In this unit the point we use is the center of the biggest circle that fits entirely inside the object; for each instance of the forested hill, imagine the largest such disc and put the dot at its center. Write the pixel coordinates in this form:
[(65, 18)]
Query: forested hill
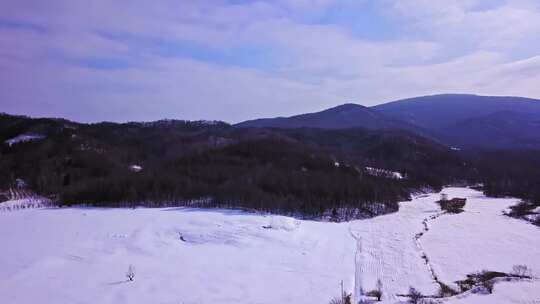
[(311, 172), (301, 171)]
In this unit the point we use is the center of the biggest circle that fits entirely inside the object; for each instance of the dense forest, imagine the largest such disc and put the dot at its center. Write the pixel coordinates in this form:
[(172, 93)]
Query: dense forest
[(510, 173), (307, 172)]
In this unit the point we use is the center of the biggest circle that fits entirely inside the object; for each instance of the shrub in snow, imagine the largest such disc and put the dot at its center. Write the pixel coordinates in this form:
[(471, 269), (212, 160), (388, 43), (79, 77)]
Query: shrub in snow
[(336, 300), (130, 274), (523, 210), (335, 216), (454, 205), (344, 299), (488, 285), (446, 291), (536, 221), (521, 271), (483, 279), (415, 296), (490, 275), (377, 292), (374, 294)]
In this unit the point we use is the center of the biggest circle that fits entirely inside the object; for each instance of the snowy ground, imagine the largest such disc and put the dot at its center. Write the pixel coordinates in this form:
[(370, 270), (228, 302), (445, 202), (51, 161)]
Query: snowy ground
[(81, 255), (389, 253), (501, 241), (480, 238)]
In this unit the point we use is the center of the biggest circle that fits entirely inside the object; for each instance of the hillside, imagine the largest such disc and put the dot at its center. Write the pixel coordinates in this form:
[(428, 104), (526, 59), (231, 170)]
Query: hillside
[(302, 171), (471, 120), (439, 111), (341, 117)]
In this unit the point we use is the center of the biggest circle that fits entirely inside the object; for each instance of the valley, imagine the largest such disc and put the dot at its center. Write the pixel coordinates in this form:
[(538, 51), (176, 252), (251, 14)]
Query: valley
[(189, 255)]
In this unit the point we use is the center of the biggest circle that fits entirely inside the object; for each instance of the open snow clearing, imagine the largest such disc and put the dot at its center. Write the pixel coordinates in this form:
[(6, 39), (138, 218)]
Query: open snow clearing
[(182, 255)]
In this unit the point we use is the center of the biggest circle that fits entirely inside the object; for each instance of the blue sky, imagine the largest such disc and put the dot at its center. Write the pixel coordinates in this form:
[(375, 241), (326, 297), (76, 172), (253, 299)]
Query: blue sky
[(236, 60)]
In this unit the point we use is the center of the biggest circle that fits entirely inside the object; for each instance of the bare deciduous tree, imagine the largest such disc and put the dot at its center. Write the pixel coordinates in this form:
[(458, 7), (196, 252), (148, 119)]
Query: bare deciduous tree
[(130, 274), (377, 292), (379, 287), (521, 271)]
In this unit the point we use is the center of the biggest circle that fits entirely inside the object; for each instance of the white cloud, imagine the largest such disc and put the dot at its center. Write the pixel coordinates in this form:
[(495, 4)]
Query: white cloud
[(465, 46), (475, 24)]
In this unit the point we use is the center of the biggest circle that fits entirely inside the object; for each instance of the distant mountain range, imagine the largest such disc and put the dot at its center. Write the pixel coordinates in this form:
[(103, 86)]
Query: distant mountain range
[(341, 117), (453, 119)]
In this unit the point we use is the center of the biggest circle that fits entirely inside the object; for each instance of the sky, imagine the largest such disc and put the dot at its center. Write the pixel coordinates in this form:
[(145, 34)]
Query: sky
[(233, 60)]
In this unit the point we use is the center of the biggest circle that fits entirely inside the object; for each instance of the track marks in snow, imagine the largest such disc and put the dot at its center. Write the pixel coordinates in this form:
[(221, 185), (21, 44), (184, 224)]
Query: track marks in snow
[(357, 289), (418, 236), (386, 250)]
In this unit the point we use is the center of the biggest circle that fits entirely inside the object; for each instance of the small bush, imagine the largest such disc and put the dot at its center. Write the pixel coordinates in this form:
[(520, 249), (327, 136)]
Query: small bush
[(454, 205), (483, 278), (130, 274), (345, 299), (415, 296), (521, 271), (375, 294), (336, 300), (521, 209), (488, 285), (466, 284), (490, 275), (446, 291)]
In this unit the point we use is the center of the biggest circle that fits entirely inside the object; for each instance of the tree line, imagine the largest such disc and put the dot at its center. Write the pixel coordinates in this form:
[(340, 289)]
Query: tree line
[(307, 172)]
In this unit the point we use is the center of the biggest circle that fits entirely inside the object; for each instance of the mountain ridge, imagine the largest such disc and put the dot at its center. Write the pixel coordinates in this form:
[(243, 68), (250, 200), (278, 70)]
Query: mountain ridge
[(339, 117), (438, 117)]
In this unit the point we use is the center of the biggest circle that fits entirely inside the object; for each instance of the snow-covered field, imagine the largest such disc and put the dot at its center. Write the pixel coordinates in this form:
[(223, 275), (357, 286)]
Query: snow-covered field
[(81, 255), (481, 238)]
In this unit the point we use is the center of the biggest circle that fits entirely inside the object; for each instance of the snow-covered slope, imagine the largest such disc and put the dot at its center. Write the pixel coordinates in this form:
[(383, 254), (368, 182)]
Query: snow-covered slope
[(81, 256), (523, 292), (217, 256), (23, 138), (389, 252), (481, 238)]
